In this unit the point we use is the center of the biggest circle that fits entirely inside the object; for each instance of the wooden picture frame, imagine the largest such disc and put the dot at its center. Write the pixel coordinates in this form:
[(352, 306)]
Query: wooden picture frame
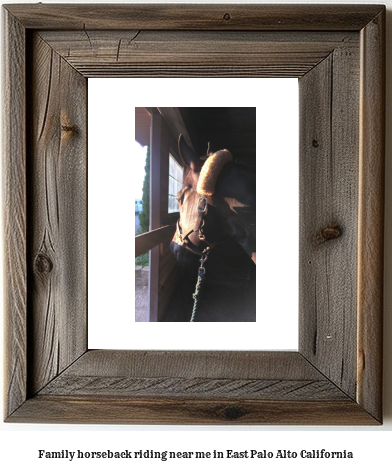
[(337, 52)]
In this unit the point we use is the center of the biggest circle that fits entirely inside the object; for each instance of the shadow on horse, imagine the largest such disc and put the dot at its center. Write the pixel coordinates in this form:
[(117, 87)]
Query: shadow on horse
[(217, 222)]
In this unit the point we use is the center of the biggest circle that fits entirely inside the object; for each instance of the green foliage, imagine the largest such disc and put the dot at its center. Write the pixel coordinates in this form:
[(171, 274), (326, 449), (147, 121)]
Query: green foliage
[(144, 216), (143, 260)]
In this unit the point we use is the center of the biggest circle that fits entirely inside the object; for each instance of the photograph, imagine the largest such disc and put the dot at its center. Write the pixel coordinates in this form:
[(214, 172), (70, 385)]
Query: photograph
[(207, 191)]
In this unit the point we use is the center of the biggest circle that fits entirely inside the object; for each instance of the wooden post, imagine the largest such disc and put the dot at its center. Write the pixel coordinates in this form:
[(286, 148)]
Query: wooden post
[(155, 210)]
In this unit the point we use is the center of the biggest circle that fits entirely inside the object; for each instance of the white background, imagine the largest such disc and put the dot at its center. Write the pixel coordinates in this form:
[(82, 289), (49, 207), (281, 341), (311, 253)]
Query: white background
[(19, 444), (111, 214)]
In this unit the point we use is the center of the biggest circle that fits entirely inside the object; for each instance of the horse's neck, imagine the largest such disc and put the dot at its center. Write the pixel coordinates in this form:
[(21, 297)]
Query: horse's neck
[(237, 181), (242, 225), (237, 187)]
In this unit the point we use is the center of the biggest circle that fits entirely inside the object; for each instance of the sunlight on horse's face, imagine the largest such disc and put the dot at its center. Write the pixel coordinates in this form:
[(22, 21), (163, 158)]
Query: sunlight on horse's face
[(219, 222), (187, 199), (231, 208)]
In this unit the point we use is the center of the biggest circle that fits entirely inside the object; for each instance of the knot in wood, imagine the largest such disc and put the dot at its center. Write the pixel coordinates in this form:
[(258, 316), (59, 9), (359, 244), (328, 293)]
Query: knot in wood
[(232, 412), (227, 16), (68, 129), (43, 264), (315, 143), (328, 233)]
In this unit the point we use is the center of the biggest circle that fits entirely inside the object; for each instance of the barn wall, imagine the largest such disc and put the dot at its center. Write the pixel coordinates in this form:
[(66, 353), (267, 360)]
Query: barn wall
[(168, 268), (142, 126)]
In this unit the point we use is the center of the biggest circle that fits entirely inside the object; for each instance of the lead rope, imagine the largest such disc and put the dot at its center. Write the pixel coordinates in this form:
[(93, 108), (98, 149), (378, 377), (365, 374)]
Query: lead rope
[(199, 285)]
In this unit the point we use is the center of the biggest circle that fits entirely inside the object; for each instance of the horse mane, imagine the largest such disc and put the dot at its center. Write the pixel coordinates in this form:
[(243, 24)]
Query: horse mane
[(211, 170), (238, 181)]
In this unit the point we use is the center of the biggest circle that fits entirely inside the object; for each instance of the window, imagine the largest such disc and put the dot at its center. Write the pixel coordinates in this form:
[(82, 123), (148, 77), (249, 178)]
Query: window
[(175, 184)]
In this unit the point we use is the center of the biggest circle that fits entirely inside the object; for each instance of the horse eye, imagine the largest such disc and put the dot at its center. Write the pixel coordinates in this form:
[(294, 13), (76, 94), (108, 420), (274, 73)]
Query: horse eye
[(180, 196)]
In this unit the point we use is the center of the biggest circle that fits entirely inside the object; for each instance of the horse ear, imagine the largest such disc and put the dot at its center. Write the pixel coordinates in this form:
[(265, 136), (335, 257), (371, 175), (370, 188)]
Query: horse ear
[(210, 150), (187, 155)]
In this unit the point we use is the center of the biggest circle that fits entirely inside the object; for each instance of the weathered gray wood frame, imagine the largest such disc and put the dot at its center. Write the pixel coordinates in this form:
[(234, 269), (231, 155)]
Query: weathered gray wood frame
[(50, 375)]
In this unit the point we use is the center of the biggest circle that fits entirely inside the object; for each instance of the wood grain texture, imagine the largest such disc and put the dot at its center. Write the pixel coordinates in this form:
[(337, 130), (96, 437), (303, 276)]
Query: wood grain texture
[(103, 409), (187, 374), (130, 53), (206, 364), (188, 387), (192, 17), (329, 216), (371, 216), (14, 208), (283, 389), (192, 387), (58, 215)]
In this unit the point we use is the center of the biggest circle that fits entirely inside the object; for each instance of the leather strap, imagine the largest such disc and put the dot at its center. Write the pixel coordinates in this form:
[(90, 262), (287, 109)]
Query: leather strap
[(198, 224)]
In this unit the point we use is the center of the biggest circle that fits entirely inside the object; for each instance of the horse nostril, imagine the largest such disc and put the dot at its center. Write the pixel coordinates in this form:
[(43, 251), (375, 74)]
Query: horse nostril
[(183, 256), (173, 248), (176, 250)]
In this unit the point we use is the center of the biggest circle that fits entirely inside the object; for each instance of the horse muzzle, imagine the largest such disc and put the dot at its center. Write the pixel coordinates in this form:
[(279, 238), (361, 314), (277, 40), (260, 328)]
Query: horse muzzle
[(183, 256)]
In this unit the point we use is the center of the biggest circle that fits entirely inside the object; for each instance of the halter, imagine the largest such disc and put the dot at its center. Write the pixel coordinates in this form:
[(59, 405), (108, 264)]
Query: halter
[(201, 208), (205, 187)]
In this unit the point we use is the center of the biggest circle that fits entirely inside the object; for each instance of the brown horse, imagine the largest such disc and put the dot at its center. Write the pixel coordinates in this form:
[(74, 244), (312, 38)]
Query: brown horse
[(216, 203)]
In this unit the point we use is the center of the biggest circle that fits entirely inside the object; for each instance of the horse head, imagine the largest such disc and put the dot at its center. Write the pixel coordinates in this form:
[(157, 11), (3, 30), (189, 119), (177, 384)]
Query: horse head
[(215, 193)]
